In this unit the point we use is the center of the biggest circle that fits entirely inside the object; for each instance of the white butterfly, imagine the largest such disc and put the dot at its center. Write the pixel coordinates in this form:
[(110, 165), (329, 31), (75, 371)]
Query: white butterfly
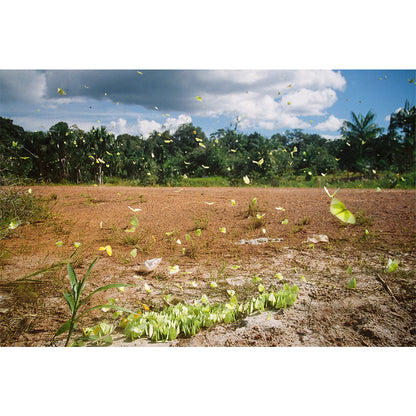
[(135, 209), (209, 203)]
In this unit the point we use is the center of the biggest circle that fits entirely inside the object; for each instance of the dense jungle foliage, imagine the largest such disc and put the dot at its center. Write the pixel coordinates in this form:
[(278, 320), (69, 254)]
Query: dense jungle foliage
[(66, 154)]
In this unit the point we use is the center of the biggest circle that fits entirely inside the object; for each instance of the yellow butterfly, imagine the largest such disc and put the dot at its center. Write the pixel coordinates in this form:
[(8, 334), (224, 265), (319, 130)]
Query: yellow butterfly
[(108, 249), (61, 91), (198, 98), (338, 209)]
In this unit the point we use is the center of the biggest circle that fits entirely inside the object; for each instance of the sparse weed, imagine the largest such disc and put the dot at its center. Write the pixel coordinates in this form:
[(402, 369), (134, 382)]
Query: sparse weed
[(361, 218), (299, 224), (252, 209), (258, 221), (74, 301), (192, 244), (201, 223)]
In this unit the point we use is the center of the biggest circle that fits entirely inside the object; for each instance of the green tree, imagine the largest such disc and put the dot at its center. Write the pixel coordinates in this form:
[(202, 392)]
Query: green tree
[(12, 151), (357, 134), (402, 130)]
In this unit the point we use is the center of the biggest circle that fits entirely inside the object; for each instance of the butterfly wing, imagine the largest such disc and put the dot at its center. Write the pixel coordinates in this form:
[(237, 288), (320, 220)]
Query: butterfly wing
[(338, 209)]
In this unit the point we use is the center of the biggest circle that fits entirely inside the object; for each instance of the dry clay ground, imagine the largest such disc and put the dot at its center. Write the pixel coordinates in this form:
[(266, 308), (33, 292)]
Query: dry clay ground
[(381, 310)]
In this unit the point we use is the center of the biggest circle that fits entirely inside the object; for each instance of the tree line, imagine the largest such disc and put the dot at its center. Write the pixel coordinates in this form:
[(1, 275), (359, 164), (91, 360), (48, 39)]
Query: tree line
[(68, 154)]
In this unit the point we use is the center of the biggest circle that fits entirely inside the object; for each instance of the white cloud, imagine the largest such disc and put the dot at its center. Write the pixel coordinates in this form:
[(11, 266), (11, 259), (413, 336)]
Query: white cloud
[(319, 79), (309, 102), (172, 124), (332, 123), (269, 99), (330, 137), (119, 127), (144, 127)]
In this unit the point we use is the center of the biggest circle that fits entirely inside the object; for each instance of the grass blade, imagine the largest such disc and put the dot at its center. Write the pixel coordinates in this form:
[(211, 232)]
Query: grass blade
[(26, 278), (63, 328), (113, 285)]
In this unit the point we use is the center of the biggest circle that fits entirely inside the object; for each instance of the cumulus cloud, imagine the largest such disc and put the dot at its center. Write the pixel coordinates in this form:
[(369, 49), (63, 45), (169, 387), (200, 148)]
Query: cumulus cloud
[(172, 124), (332, 123), (144, 127), (330, 137)]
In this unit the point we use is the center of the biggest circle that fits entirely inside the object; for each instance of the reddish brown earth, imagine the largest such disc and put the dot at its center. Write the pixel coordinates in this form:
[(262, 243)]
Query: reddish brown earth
[(326, 313)]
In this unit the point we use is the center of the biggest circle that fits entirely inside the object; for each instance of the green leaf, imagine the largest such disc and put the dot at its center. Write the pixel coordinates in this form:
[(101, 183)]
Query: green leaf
[(70, 300), (82, 283), (63, 328), (113, 285), (73, 281), (338, 209)]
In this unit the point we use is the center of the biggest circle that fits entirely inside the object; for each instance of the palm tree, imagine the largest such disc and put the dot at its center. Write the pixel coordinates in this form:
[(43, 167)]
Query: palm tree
[(358, 134)]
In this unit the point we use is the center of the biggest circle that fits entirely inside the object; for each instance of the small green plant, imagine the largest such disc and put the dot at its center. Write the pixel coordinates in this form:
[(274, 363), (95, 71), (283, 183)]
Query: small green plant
[(252, 209), (201, 223), (299, 224), (75, 302), (193, 246), (363, 219), (258, 221), (18, 206)]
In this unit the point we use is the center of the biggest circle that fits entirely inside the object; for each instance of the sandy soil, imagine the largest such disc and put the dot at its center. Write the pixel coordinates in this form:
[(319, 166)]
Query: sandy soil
[(381, 310)]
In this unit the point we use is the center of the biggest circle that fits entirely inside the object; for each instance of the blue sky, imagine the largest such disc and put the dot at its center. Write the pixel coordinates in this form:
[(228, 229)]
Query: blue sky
[(140, 101)]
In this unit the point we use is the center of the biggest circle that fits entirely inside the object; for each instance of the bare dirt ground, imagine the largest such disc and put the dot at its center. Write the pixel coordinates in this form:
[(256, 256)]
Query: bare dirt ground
[(380, 311)]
